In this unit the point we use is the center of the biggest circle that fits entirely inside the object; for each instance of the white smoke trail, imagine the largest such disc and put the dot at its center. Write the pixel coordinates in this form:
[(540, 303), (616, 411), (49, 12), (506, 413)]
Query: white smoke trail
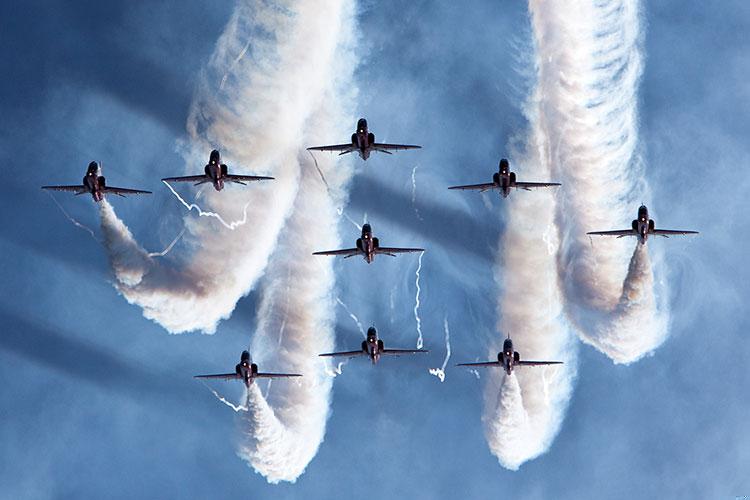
[(234, 63), (281, 435), (201, 213), (420, 340), (168, 247), (583, 122), (236, 408), (617, 332), (258, 120), (352, 316), (440, 372), (414, 191), (520, 421), (72, 220), (340, 211), (591, 65)]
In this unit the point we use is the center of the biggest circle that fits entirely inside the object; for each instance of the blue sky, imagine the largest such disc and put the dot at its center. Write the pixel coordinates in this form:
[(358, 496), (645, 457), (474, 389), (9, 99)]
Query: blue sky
[(99, 401)]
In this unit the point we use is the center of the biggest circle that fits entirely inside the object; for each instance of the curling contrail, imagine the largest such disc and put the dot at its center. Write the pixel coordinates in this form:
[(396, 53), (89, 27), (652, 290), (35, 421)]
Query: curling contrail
[(591, 68), (583, 131), (281, 435), (258, 119)]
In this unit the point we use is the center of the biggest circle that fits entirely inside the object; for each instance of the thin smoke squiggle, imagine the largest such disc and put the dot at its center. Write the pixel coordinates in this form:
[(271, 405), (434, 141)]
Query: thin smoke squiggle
[(417, 318), (194, 206)]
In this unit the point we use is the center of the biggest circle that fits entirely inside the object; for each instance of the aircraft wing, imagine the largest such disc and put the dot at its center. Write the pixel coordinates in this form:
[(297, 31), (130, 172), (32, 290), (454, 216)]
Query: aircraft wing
[(242, 179), (342, 148), (343, 354), (393, 147), (347, 252), (483, 363), (671, 232), (187, 178), (393, 251), (400, 352), (533, 185), (477, 187), (618, 233), (123, 191), (276, 375), (223, 376), (79, 189), (537, 363)]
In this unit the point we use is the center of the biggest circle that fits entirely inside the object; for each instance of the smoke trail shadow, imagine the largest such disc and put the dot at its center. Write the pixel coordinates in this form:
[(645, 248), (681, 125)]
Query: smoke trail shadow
[(84, 361)]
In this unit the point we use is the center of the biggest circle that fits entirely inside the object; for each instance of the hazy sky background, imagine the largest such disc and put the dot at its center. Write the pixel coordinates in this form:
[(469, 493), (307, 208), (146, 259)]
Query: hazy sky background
[(99, 402)]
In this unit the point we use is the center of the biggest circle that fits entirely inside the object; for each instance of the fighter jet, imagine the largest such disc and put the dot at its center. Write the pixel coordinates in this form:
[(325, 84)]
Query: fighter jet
[(508, 359), (641, 228), (368, 247), (216, 173), (247, 372), (373, 348), (94, 184), (364, 143), (505, 180)]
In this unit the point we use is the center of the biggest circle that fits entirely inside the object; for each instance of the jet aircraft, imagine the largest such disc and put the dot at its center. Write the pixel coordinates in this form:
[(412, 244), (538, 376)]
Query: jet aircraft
[(373, 348), (95, 185), (364, 143), (247, 372), (217, 173), (368, 247), (505, 180), (508, 359), (641, 228)]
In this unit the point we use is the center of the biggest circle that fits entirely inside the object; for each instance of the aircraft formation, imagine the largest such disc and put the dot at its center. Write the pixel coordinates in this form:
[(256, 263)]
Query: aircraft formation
[(363, 143)]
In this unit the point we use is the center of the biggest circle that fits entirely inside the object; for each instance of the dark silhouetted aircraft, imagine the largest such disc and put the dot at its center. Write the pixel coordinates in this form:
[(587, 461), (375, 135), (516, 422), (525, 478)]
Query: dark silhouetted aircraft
[(641, 228), (373, 348), (368, 247), (247, 372), (216, 173), (364, 143), (95, 185), (505, 180), (508, 359)]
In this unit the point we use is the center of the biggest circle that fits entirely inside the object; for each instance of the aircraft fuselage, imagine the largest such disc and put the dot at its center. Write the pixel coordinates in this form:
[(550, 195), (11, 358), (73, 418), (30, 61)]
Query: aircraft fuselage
[(643, 225), (372, 345), (504, 178), (215, 170), (246, 369), (94, 182), (363, 139), (367, 244), (508, 356)]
